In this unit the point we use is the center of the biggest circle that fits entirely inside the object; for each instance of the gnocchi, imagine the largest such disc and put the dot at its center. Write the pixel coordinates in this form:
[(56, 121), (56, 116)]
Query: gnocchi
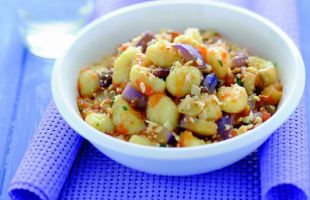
[(188, 140), (269, 75), (100, 122), (194, 33), (88, 82), (181, 79), (162, 110), (274, 91), (178, 89), (199, 126), (220, 61), (233, 99), (191, 107), (145, 81), (162, 54), (212, 109), (186, 39), (125, 118), (249, 79), (123, 64), (137, 139)]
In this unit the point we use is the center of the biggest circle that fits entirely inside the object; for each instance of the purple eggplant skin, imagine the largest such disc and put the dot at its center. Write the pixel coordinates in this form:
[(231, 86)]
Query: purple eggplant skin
[(225, 127), (161, 72), (239, 60), (164, 136), (105, 79), (182, 122), (134, 97), (147, 36), (189, 53), (210, 82)]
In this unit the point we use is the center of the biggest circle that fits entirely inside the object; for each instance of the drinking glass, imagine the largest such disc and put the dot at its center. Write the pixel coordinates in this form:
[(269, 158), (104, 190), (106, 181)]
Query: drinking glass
[(49, 26)]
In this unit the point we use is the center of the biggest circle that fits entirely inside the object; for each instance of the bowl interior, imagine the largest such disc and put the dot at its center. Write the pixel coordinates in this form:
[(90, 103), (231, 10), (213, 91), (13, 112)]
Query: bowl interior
[(238, 25)]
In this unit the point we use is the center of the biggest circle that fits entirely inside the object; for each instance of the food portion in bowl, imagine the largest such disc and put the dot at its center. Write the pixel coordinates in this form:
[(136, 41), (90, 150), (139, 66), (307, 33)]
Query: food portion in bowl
[(175, 89)]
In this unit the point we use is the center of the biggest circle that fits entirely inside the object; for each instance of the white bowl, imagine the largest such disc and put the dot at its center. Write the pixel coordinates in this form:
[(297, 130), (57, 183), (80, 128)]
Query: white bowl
[(239, 25)]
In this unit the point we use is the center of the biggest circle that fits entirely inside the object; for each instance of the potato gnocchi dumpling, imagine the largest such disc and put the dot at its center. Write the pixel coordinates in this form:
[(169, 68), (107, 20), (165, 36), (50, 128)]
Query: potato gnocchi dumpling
[(123, 64), (178, 89), (212, 109), (220, 61), (162, 54), (137, 139), (145, 81), (181, 79), (195, 34), (187, 39), (200, 126), (191, 107), (234, 99), (101, 122), (188, 140), (125, 118), (162, 110), (88, 82)]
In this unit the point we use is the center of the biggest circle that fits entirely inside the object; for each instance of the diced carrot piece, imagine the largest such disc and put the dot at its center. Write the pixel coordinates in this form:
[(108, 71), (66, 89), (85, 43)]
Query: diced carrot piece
[(234, 133), (174, 34), (203, 51), (266, 115), (121, 129)]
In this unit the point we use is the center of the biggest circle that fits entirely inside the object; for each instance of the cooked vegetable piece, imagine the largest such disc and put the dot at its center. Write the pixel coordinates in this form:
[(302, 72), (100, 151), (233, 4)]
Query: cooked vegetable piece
[(145, 38), (123, 64), (199, 126), (139, 139), (125, 118), (162, 110), (164, 136), (161, 72), (88, 82), (162, 54), (100, 122), (189, 53), (239, 60), (233, 99), (210, 82), (188, 140), (181, 79), (134, 97), (144, 81), (225, 126), (105, 79)]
